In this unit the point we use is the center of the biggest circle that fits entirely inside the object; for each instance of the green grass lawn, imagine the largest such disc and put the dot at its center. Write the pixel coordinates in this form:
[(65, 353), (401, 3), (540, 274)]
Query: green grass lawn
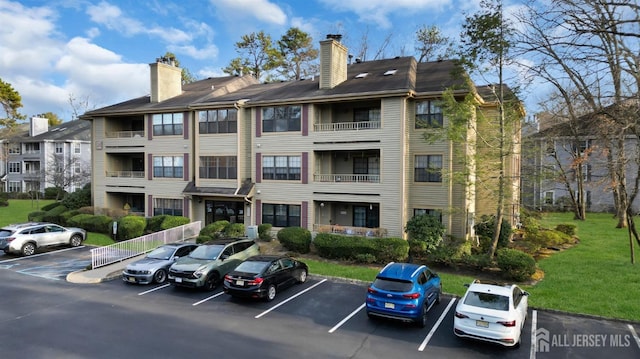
[(594, 277)]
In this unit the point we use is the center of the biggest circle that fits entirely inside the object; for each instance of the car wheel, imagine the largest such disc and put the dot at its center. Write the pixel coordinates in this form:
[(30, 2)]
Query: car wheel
[(28, 249), (422, 320), (160, 276), (271, 293), (75, 240), (211, 282), (302, 276)]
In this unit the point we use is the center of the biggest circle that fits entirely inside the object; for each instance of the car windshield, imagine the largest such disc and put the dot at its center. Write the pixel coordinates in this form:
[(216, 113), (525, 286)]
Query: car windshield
[(487, 300), (161, 253), (393, 285), (251, 266), (5, 233), (207, 252)]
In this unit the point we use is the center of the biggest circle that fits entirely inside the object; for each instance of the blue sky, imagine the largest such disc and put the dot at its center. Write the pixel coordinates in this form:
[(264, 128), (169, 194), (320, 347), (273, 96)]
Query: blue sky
[(99, 51)]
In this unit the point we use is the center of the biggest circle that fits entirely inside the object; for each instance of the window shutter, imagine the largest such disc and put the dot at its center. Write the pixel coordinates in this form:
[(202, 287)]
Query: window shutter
[(304, 215), (150, 206), (258, 212), (185, 170), (305, 168), (258, 167), (258, 122), (150, 127), (150, 166), (305, 120), (185, 125)]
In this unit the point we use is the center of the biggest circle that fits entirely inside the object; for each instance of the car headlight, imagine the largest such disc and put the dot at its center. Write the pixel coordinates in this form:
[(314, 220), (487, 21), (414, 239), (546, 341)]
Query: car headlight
[(198, 273)]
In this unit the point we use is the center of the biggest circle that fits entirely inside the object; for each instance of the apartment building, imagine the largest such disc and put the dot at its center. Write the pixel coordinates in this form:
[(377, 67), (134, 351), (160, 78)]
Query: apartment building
[(36, 156), (340, 152)]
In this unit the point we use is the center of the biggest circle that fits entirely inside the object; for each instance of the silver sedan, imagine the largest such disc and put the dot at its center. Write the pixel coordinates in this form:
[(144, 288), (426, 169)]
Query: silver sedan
[(154, 266)]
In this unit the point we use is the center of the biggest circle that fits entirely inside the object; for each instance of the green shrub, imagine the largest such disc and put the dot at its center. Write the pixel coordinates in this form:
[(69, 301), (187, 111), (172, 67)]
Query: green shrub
[(515, 264), (54, 193), (233, 230), (365, 258), (203, 238), (174, 221), (50, 206), (569, 229), (336, 246), (546, 238), (53, 215), (4, 199), (77, 199), (485, 229), (477, 261), (295, 239), (64, 217), (131, 227), (78, 220), (37, 216), (214, 230), (264, 232), (154, 224), (99, 224), (426, 229)]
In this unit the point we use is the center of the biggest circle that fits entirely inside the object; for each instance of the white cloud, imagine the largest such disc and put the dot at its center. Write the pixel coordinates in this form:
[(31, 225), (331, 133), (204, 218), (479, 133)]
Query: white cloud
[(378, 11), (261, 10)]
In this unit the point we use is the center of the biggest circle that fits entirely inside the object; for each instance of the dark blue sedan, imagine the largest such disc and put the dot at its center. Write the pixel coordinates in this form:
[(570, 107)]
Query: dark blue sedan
[(404, 291)]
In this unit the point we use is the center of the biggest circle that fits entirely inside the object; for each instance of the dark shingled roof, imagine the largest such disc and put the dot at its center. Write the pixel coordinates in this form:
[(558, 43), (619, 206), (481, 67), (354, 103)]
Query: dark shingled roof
[(243, 191), (77, 130)]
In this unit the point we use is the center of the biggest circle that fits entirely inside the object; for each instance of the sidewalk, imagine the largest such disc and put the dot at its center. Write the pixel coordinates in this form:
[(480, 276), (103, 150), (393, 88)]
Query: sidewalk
[(102, 274)]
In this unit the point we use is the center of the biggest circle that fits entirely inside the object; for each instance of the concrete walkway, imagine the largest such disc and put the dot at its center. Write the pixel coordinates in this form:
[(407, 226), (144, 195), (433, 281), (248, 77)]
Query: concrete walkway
[(102, 274)]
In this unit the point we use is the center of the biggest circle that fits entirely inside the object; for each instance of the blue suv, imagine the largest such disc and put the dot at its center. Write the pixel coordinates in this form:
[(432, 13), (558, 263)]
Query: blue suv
[(404, 291)]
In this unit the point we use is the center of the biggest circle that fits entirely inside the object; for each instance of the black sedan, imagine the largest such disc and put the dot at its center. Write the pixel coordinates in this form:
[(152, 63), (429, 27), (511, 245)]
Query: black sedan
[(263, 276)]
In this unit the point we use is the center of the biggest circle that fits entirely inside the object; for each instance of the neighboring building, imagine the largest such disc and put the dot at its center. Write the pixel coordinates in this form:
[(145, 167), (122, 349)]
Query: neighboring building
[(572, 145), (341, 152), (35, 156)]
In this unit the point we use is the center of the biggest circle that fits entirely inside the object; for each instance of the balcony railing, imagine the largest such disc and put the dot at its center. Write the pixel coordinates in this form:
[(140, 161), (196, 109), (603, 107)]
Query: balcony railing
[(124, 134), (347, 178), (125, 174), (350, 231), (347, 126)]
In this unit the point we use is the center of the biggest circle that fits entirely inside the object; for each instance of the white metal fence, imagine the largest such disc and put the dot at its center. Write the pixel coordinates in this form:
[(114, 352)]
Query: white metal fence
[(120, 251)]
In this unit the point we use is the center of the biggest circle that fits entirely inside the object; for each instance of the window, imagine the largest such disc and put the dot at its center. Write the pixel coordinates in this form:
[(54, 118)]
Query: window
[(218, 121), (14, 148), (548, 197), (14, 167), (432, 212), (32, 167), (281, 119), (428, 115), (32, 147), (428, 168), (59, 147), (76, 148), (366, 165), (281, 167), (15, 186), (167, 124), (222, 167), (582, 148), (168, 206), (281, 215), (168, 166), (366, 114), (366, 216)]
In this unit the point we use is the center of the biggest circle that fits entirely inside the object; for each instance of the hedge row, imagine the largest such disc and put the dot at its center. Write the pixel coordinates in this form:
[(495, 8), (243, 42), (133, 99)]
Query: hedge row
[(361, 249)]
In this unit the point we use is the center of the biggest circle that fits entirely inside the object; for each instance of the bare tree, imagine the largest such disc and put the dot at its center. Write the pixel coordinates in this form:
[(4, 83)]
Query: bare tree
[(66, 173), (430, 43)]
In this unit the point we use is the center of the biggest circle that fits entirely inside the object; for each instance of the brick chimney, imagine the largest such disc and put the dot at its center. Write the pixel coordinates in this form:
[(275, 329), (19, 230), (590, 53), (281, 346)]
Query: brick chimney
[(166, 80), (333, 62)]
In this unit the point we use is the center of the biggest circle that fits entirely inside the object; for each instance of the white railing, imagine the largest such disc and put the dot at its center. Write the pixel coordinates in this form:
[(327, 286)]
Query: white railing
[(120, 251), (350, 230), (125, 174), (347, 126), (346, 178), (124, 134)]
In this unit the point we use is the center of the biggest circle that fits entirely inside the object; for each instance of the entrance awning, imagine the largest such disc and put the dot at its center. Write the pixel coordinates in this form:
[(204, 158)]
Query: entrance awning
[(244, 191)]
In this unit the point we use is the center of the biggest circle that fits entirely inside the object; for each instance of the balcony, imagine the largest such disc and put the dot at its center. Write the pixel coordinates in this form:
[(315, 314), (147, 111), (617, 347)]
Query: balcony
[(347, 126), (124, 134), (347, 178), (125, 174), (350, 231)]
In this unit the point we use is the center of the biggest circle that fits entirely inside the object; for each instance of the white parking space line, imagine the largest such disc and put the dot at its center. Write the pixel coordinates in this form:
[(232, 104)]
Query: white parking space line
[(40, 254), (209, 298), (435, 327), (347, 318), (635, 335), (288, 299), (534, 335), (154, 289)]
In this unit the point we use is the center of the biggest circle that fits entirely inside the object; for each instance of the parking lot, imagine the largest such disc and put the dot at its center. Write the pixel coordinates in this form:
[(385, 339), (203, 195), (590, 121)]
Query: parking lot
[(322, 318)]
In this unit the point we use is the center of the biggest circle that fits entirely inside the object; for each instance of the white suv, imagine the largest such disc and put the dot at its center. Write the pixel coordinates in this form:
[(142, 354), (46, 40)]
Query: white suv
[(26, 238)]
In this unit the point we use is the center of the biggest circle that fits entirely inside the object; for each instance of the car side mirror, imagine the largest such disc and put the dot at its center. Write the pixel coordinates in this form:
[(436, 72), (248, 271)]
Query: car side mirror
[(467, 285), (525, 293), (175, 258), (224, 256)]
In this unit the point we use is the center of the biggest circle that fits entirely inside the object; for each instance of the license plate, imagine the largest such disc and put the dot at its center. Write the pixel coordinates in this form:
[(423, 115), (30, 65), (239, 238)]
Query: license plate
[(240, 283), (131, 279), (389, 305), (178, 280), (482, 323)]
